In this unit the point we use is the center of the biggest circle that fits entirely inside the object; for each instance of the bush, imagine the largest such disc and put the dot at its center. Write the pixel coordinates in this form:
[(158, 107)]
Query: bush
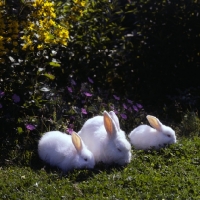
[(91, 56), (30, 33), (46, 85), (145, 50)]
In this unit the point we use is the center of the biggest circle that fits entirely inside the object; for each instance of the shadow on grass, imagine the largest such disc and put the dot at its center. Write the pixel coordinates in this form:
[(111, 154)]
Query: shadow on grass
[(76, 175), (27, 156), (24, 154)]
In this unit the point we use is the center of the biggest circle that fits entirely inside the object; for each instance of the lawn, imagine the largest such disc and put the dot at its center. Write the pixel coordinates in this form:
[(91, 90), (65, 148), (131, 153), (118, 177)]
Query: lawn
[(170, 173)]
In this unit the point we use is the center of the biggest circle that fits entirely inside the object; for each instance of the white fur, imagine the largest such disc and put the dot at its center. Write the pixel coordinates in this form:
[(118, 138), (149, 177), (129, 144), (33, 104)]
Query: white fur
[(65, 151), (105, 139), (145, 137)]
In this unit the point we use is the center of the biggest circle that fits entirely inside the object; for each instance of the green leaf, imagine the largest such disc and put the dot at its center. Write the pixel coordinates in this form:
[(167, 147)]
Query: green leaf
[(50, 76), (20, 130), (54, 64)]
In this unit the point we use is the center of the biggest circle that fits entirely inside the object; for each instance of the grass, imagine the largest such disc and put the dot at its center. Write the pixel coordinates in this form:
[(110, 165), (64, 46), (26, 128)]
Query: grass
[(171, 173)]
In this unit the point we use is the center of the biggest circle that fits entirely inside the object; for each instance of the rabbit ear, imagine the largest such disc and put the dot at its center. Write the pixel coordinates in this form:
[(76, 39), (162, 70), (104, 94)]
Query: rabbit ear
[(155, 123), (109, 124), (77, 141), (115, 119)]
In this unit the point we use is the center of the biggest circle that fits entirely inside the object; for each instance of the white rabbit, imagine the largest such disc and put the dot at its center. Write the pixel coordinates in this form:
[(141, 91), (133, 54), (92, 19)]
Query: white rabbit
[(145, 137), (65, 151), (105, 139)]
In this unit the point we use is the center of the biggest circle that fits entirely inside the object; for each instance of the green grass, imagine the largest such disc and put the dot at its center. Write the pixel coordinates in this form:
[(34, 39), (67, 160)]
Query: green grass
[(171, 173)]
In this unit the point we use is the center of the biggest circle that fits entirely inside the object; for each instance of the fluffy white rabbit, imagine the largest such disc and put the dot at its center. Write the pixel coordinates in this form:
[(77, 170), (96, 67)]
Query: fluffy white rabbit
[(65, 151), (105, 139), (145, 137)]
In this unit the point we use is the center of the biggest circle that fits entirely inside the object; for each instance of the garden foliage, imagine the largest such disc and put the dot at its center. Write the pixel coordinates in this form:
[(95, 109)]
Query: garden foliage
[(62, 62)]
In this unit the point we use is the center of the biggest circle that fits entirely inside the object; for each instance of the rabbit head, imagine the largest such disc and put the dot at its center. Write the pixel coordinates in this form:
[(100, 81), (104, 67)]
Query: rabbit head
[(84, 158), (167, 134), (118, 148)]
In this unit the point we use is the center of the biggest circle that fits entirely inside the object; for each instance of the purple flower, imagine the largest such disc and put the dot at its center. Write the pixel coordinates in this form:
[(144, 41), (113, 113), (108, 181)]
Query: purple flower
[(16, 98), (2, 93), (129, 101), (71, 126), (1, 105), (90, 80), (139, 105), (83, 111), (116, 97), (123, 116), (70, 130), (135, 108), (69, 89), (73, 82), (116, 112), (124, 105), (87, 94), (30, 127), (72, 118)]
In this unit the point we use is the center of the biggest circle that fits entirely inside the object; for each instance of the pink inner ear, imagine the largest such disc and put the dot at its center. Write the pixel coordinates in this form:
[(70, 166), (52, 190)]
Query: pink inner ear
[(154, 122), (115, 119), (77, 141), (108, 124)]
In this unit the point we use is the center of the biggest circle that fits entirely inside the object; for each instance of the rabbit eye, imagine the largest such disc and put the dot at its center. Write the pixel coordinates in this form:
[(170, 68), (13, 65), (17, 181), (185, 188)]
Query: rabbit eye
[(168, 135), (119, 149), (85, 159)]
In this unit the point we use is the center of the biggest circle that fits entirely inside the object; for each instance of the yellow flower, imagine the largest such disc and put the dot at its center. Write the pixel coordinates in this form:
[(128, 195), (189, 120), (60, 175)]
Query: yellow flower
[(83, 3), (40, 46), (29, 42), (37, 3), (63, 42), (81, 13), (47, 4), (52, 23), (23, 37), (2, 3), (53, 15), (24, 47), (9, 39), (64, 34), (41, 24), (31, 26), (47, 38)]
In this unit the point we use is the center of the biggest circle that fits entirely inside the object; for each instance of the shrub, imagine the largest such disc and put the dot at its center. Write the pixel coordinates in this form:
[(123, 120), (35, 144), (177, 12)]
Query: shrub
[(30, 33), (45, 84), (87, 57)]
